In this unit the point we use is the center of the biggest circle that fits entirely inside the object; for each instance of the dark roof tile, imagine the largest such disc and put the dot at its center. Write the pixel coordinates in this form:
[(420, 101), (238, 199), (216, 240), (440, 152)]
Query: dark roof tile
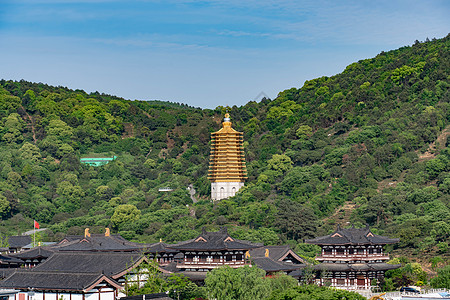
[(6, 259), (109, 263), (18, 241), (215, 241), (270, 265), (356, 267), (67, 281), (352, 236), (37, 252), (98, 243)]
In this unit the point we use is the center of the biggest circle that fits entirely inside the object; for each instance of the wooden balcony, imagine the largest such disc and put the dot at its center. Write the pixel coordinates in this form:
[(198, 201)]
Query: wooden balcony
[(349, 257), (211, 264)]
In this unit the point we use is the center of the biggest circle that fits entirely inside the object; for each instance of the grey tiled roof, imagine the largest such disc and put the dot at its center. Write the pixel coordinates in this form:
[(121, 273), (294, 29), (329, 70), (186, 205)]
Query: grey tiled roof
[(98, 243), (278, 253), (270, 265), (159, 248), (109, 263), (6, 259), (66, 281), (5, 272), (275, 252), (215, 241), (356, 267), (37, 252), (18, 241), (352, 236), (194, 275)]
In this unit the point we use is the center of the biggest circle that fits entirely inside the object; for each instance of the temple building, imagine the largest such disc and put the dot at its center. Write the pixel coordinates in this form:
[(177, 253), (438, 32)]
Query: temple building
[(83, 266), (351, 258), (227, 170), (211, 250)]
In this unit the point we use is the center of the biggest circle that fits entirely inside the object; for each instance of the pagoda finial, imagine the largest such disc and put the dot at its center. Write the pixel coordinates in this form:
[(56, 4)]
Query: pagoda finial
[(338, 227), (267, 253), (107, 232), (227, 117), (86, 233)]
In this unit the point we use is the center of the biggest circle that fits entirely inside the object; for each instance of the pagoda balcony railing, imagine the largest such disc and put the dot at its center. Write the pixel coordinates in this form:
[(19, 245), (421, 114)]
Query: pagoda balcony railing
[(377, 256)]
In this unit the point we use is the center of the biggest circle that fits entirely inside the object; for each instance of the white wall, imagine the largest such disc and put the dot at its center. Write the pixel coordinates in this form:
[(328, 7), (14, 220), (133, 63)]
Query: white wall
[(223, 190)]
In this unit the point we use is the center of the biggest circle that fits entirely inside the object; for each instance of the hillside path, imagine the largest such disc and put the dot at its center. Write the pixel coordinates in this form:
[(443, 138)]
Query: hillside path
[(30, 119), (436, 145)]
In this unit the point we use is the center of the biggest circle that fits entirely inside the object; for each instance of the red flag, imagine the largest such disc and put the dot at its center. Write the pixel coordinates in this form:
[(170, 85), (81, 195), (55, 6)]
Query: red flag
[(36, 224)]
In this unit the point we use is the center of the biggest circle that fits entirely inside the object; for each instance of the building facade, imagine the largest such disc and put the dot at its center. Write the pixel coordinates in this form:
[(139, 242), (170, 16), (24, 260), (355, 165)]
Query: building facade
[(227, 170), (351, 258), (211, 250)]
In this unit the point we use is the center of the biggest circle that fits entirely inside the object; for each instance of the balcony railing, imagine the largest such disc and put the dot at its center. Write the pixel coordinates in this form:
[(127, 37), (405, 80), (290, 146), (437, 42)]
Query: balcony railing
[(206, 265), (377, 256)]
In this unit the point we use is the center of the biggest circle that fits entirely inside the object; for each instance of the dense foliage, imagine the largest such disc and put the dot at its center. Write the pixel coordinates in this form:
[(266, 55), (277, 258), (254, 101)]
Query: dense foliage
[(373, 139), (314, 292)]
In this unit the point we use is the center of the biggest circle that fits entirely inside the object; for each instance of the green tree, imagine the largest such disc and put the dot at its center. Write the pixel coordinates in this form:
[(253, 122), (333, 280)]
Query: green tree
[(280, 282), (30, 152), (295, 220), (442, 280), (280, 162), (4, 243), (70, 196), (8, 103), (64, 149), (4, 206), (303, 132), (245, 283), (125, 213), (314, 292), (13, 126), (149, 273), (59, 129)]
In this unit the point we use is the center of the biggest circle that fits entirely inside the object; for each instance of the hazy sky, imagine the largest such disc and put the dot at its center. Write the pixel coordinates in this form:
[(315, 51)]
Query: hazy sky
[(203, 53)]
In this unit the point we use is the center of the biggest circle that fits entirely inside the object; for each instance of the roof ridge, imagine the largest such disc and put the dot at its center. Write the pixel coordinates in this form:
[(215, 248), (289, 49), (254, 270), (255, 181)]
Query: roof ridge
[(57, 272), (109, 252)]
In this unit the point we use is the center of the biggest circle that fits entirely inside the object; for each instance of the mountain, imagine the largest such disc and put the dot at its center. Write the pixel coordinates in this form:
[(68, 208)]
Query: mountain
[(368, 145)]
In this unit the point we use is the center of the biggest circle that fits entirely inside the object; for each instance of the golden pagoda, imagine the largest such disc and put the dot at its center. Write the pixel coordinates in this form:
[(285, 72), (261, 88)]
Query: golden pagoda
[(227, 170)]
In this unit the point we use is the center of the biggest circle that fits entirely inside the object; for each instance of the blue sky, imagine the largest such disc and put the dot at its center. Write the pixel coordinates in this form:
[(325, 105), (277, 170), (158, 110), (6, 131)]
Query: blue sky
[(202, 53)]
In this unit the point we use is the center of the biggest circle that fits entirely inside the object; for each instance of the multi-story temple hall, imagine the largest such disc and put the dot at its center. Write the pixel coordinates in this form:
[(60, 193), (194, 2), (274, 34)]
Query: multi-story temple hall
[(227, 170), (351, 258)]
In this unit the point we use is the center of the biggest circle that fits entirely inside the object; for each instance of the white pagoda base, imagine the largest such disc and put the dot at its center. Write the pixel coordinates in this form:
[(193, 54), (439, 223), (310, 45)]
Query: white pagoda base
[(223, 190)]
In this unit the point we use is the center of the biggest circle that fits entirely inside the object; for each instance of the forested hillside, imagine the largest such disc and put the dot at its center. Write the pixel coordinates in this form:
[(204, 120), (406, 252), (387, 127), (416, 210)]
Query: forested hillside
[(369, 145)]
